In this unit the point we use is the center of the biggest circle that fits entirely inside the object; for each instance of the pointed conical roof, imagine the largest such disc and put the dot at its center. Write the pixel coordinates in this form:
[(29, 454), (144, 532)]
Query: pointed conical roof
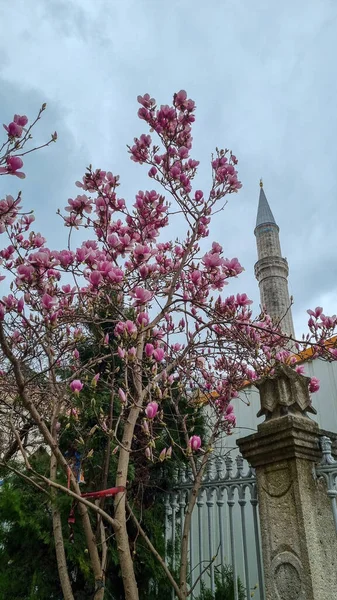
[(264, 214)]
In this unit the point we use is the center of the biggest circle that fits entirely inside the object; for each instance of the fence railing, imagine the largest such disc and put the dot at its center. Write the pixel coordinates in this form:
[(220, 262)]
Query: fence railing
[(328, 469), (225, 526)]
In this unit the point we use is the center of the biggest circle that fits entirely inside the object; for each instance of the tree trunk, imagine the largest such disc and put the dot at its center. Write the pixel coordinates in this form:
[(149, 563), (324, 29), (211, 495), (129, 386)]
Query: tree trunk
[(187, 527), (58, 539), (122, 538)]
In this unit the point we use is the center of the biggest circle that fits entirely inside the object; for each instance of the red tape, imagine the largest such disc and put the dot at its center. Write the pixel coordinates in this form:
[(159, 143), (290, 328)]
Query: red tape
[(104, 493)]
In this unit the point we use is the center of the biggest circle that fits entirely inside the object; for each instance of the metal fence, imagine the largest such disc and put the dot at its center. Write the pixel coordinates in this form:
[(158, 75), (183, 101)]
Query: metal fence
[(225, 527), (328, 469)]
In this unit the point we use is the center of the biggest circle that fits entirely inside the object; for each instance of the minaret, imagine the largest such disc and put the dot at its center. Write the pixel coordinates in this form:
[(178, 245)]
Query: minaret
[(271, 270)]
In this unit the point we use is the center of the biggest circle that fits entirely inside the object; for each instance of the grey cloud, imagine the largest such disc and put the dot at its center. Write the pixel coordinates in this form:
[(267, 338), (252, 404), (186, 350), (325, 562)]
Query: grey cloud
[(262, 75)]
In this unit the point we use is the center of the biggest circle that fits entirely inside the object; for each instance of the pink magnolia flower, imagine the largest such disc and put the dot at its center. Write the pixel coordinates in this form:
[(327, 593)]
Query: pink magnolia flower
[(121, 352), (122, 395), (196, 277), (232, 267), (162, 455), (13, 164), (132, 352), (95, 278), (149, 349), (47, 301), (243, 300), (73, 412), (76, 386), (143, 319), (79, 204), (76, 354), (146, 101), (300, 369), (159, 354), (95, 379), (231, 419), (145, 427), (315, 313), (142, 252), (141, 295), (151, 410), (313, 385), (15, 128), (21, 120), (120, 327), (329, 322), (152, 172), (195, 442), (20, 305), (130, 327), (116, 275), (148, 453), (212, 259)]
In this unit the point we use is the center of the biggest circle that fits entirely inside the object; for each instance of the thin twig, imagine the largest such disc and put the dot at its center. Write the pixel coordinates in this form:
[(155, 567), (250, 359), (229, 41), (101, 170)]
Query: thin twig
[(23, 476)]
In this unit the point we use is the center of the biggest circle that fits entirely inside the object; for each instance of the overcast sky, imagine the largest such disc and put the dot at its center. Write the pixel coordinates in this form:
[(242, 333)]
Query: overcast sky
[(263, 75)]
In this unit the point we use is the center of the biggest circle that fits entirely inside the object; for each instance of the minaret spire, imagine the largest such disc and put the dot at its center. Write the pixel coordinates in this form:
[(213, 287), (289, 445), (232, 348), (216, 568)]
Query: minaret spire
[(264, 214), (271, 269)]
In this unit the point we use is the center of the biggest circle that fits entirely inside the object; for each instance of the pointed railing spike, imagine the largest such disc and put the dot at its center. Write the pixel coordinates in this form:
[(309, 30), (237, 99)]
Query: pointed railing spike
[(229, 467)]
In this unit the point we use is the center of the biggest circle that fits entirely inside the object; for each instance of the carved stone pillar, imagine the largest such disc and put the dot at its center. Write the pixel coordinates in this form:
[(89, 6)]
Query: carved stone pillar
[(299, 541)]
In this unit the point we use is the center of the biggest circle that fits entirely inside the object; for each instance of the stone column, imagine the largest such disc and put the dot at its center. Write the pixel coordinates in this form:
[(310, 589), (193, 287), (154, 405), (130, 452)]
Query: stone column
[(299, 541)]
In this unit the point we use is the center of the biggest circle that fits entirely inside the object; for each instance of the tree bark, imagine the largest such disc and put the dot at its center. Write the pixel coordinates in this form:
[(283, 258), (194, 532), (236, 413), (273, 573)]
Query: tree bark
[(122, 538), (58, 539), (187, 527), (120, 528)]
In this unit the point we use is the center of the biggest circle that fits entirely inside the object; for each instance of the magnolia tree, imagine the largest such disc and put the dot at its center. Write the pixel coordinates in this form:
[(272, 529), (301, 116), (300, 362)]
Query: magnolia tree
[(173, 335)]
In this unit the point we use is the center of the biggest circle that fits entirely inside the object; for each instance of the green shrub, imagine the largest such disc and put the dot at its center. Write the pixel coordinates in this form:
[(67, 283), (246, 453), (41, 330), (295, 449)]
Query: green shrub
[(224, 586)]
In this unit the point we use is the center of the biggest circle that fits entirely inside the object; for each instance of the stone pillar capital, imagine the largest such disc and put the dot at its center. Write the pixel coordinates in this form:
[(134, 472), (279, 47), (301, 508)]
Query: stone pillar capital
[(282, 438)]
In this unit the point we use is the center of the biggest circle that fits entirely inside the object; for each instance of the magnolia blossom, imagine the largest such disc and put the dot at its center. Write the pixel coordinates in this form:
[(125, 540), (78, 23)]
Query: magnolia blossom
[(149, 349), (95, 379), (141, 295), (122, 395), (151, 410), (314, 385), (76, 386), (15, 128), (162, 455), (159, 354), (315, 313), (14, 163), (195, 442), (73, 412), (230, 417), (148, 453), (143, 319)]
